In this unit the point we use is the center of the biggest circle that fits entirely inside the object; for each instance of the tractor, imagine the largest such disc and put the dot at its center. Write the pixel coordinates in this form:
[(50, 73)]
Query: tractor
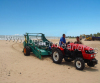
[(81, 54), (40, 46)]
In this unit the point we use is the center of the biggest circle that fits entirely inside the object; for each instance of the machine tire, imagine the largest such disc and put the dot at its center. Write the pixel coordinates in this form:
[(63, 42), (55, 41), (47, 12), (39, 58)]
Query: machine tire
[(27, 51), (57, 56), (79, 63)]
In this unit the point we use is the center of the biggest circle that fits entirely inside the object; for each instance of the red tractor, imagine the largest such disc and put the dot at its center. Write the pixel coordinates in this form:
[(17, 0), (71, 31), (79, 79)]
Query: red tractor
[(81, 54)]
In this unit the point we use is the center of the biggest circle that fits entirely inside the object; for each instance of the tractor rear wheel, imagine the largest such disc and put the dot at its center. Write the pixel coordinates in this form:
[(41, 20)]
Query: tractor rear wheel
[(57, 56), (27, 51), (79, 63)]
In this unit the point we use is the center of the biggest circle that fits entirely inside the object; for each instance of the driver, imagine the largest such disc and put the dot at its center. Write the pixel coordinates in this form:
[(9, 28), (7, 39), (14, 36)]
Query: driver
[(78, 40), (62, 40)]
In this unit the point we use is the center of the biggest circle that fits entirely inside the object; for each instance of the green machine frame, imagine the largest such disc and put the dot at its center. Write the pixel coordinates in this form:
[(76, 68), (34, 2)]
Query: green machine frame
[(38, 50)]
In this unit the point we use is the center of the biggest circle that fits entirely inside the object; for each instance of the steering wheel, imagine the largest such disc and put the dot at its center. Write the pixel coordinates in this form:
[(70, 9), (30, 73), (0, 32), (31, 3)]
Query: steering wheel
[(68, 42)]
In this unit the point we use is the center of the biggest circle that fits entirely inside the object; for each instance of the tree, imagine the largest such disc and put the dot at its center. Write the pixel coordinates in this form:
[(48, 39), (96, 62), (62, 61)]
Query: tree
[(91, 35), (69, 36), (95, 35), (98, 34)]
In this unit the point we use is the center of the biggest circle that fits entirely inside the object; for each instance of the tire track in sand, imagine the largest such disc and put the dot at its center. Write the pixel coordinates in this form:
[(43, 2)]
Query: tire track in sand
[(18, 47)]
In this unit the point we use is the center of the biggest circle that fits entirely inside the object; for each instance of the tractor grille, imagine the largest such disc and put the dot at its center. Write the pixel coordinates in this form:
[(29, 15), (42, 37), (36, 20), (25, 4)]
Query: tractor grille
[(89, 51)]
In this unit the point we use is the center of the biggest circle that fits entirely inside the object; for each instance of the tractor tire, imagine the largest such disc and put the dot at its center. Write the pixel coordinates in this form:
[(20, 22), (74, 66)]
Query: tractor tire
[(67, 60), (57, 56), (27, 51), (79, 63)]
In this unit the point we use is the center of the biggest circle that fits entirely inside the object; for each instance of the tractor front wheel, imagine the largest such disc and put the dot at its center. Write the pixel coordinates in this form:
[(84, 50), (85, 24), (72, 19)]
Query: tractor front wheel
[(79, 63), (27, 51)]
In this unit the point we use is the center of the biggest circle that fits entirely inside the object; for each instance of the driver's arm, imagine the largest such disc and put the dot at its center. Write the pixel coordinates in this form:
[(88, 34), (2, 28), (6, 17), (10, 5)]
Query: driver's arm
[(62, 42)]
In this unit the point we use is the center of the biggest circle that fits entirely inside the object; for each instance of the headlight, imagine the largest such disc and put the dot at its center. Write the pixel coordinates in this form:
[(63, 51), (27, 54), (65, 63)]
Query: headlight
[(91, 55)]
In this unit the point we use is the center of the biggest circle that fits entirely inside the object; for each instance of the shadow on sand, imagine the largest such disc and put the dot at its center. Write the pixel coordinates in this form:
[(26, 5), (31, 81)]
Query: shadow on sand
[(71, 64), (87, 68), (45, 57)]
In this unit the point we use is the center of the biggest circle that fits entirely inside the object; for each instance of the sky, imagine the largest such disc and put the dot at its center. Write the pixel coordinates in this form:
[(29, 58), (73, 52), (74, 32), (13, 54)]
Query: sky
[(51, 17)]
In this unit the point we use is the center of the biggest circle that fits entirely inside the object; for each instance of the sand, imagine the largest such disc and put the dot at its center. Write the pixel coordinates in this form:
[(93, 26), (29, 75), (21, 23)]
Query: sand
[(17, 68)]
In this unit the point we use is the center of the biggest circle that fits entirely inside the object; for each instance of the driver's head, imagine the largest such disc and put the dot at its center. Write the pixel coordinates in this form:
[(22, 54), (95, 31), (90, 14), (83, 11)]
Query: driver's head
[(63, 35), (77, 38)]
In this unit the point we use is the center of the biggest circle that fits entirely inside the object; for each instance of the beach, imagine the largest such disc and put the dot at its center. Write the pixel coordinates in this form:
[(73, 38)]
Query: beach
[(15, 67)]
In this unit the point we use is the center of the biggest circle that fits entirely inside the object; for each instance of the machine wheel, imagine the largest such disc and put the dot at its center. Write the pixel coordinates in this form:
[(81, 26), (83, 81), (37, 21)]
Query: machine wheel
[(57, 56), (67, 60), (27, 51), (79, 63)]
